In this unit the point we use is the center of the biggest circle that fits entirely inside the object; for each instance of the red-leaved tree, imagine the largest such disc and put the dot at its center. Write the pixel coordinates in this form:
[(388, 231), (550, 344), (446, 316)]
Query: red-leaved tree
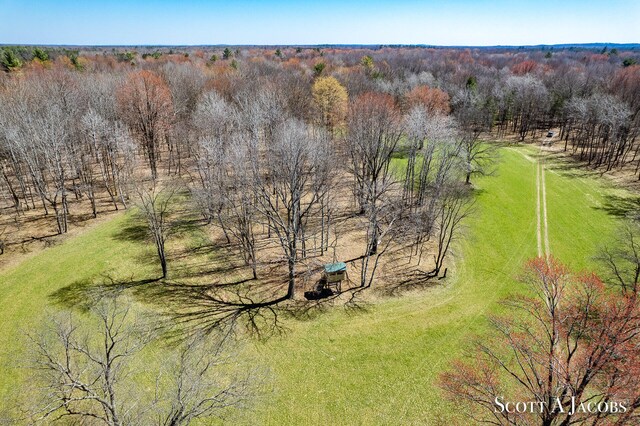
[(524, 67), (434, 101), (569, 353)]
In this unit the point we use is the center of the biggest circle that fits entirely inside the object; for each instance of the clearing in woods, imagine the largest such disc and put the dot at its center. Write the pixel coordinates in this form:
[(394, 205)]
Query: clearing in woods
[(378, 365)]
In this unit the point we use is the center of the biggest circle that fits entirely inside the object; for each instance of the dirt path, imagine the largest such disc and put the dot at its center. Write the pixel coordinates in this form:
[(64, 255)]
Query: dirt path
[(547, 250), (538, 232), (541, 210), (542, 228)]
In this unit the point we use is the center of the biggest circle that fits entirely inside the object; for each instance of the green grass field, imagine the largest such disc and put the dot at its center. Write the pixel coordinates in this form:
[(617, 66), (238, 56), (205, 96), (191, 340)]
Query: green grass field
[(376, 366)]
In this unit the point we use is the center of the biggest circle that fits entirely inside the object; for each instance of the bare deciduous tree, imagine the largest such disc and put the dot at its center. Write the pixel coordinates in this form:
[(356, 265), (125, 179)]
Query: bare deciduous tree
[(154, 202), (289, 183), (200, 381), (185, 83), (415, 123), (372, 136), (211, 160), (86, 373), (374, 130), (474, 117), (240, 202), (454, 205), (81, 374), (383, 218), (108, 148), (440, 204), (528, 99), (146, 105), (622, 258)]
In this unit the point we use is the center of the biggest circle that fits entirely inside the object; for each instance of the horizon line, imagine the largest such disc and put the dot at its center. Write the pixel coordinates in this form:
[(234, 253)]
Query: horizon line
[(313, 45)]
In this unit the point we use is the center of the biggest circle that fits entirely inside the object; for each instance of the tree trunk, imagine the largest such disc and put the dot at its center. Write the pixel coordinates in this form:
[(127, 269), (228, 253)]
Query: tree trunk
[(161, 255), (292, 278)]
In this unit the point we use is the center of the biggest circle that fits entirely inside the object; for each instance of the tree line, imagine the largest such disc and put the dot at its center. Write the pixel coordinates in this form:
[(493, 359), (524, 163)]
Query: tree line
[(266, 142)]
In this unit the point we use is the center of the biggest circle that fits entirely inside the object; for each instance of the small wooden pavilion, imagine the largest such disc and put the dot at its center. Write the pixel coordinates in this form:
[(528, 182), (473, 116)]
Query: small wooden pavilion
[(334, 274)]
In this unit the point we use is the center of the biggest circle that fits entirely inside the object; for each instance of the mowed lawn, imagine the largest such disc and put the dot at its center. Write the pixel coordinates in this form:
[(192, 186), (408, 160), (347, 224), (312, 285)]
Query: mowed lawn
[(28, 289), (373, 366)]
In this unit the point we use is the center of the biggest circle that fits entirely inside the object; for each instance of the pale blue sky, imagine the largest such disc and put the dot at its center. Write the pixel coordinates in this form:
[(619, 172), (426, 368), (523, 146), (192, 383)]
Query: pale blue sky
[(457, 22)]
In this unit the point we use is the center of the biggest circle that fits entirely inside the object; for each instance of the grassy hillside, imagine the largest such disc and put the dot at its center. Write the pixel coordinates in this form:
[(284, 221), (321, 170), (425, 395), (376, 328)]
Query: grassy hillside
[(373, 366)]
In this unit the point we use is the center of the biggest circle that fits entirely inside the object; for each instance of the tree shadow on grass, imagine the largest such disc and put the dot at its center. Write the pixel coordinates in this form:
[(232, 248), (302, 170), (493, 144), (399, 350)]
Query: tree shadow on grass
[(83, 294), (195, 309), (568, 166), (258, 307), (622, 207), (187, 226), (137, 232), (411, 280), (212, 260)]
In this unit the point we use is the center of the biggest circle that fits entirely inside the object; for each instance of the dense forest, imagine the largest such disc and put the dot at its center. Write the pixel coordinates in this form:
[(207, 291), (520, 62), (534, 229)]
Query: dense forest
[(75, 122)]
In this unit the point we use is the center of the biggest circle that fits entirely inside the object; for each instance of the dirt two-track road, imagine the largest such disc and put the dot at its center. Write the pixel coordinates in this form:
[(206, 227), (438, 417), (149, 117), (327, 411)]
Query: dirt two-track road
[(541, 210)]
